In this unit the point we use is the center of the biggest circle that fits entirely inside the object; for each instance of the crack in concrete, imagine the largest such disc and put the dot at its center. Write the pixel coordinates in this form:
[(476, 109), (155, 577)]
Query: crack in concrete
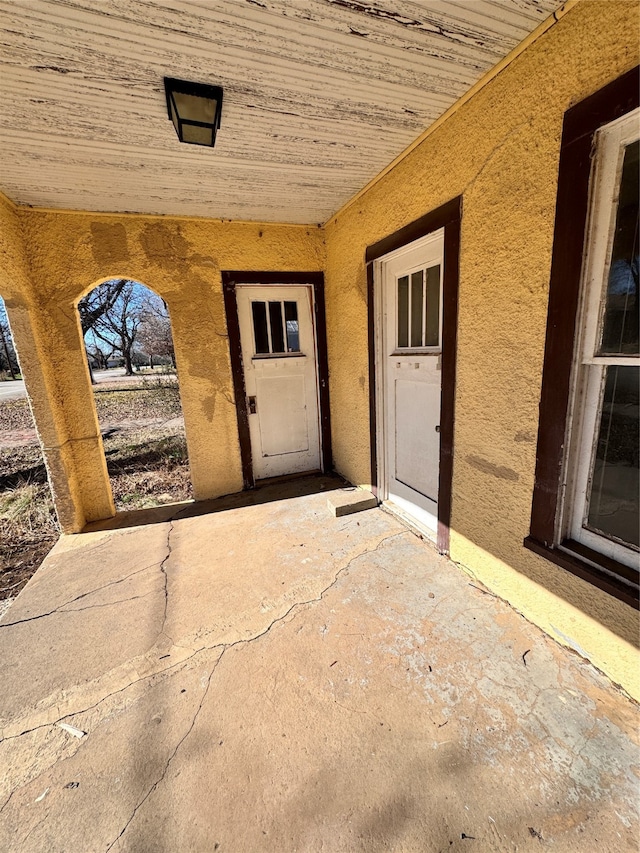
[(163, 571), (6, 802), (107, 603), (78, 713), (33, 828), (225, 648), (171, 757), (59, 608), (201, 649)]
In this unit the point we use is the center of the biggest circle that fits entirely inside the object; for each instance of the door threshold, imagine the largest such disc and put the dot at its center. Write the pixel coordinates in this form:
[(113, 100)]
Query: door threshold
[(410, 522), (286, 478)]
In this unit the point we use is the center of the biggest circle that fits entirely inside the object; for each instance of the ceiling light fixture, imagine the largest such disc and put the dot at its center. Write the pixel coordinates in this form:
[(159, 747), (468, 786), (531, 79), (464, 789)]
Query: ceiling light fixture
[(194, 109)]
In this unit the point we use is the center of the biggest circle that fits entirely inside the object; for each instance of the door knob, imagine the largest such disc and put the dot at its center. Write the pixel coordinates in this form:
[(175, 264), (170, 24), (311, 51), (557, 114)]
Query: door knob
[(251, 402)]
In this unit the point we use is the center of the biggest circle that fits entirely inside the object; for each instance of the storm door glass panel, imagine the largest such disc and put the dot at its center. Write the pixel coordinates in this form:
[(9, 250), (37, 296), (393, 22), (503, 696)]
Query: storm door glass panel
[(260, 333), (403, 311), (613, 502), (620, 328), (277, 332), (417, 309), (291, 323), (432, 336)]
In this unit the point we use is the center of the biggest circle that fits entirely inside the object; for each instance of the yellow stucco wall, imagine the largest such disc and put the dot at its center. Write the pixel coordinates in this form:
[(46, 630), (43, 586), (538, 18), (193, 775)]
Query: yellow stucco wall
[(29, 326), (500, 151), (181, 260)]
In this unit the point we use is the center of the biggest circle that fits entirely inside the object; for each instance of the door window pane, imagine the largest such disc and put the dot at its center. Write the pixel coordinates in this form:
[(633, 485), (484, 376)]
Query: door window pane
[(432, 337), (417, 311), (403, 311), (614, 509), (277, 333), (620, 330), (272, 330), (291, 322), (260, 333)]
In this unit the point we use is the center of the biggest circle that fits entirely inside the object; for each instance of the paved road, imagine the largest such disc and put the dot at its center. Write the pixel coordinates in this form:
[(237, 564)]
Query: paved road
[(12, 390), (15, 390)]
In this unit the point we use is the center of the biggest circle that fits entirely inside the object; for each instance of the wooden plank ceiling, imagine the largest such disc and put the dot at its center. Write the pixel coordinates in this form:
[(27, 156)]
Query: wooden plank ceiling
[(319, 96)]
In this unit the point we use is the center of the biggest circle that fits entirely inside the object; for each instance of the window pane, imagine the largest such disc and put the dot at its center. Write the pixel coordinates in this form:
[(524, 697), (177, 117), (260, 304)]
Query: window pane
[(275, 319), (260, 326), (433, 307), (614, 508), (293, 332), (620, 332), (403, 311), (417, 309)]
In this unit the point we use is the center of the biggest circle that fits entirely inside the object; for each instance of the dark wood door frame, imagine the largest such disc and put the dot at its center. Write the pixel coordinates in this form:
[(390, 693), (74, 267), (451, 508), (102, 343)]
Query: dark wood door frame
[(315, 280), (448, 217)]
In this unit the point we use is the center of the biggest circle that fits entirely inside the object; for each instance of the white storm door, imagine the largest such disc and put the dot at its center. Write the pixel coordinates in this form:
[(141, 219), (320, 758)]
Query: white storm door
[(411, 281), (281, 378)]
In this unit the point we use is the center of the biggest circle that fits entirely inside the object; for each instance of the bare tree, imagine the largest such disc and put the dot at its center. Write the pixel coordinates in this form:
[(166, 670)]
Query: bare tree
[(92, 309), (100, 301), (118, 326), (100, 354), (154, 333)]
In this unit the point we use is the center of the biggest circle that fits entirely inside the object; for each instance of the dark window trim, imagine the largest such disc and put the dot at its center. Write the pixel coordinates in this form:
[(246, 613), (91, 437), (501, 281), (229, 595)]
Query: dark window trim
[(315, 280), (573, 562), (580, 125), (448, 217)]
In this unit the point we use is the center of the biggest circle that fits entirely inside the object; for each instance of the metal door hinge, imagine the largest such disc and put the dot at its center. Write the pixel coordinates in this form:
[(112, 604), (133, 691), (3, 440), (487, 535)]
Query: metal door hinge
[(251, 405)]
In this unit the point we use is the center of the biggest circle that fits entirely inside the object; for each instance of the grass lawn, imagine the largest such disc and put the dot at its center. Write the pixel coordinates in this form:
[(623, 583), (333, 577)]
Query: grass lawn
[(147, 467)]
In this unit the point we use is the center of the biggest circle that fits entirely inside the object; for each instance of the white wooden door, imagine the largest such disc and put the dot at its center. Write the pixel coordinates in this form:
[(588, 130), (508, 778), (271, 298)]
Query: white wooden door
[(281, 378), (410, 348)]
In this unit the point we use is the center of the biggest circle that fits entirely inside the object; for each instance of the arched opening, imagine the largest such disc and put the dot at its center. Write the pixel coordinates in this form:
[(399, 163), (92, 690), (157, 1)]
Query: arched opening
[(28, 524), (129, 346)]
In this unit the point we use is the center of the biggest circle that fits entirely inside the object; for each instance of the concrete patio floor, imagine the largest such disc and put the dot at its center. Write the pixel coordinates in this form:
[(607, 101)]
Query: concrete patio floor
[(266, 677)]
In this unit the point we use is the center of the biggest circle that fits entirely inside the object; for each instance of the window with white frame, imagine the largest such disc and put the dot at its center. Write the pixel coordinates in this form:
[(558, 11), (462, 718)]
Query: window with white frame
[(601, 504), (585, 513)]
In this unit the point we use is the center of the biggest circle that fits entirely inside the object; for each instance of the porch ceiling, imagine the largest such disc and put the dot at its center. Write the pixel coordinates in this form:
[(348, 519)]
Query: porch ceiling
[(319, 96)]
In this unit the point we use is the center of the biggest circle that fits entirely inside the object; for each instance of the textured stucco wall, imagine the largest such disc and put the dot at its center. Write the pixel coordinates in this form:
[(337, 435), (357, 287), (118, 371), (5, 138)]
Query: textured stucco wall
[(14, 267), (180, 259), (500, 151), (30, 327)]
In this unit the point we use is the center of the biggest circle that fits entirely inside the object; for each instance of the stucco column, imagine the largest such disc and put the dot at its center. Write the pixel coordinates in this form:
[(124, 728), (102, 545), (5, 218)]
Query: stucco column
[(53, 364)]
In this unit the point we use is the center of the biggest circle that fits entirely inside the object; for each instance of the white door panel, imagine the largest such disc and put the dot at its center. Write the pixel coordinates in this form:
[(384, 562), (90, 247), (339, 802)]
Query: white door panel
[(278, 393), (417, 441), (277, 336), (410, 307)]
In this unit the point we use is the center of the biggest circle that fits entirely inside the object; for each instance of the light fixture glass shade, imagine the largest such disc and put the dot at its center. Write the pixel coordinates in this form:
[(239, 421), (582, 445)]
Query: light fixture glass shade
[(196, 134), (194, 109)]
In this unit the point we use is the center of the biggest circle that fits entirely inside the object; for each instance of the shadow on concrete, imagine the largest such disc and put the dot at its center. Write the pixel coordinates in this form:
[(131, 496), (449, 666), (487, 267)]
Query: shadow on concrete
[(278, 489)]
